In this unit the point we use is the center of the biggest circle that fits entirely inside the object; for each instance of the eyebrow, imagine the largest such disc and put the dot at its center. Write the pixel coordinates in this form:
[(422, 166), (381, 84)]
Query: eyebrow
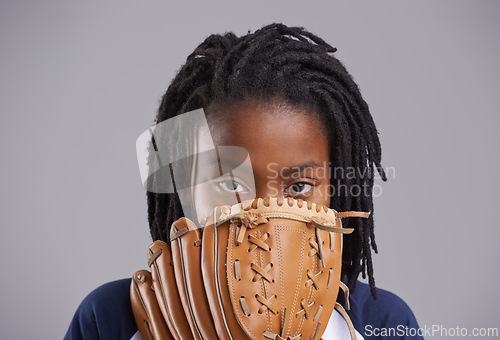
[(225, 164), (287, 171)]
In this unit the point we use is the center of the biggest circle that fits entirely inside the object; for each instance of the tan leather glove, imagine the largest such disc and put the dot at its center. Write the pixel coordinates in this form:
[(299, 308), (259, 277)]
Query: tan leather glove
[(263, 269)]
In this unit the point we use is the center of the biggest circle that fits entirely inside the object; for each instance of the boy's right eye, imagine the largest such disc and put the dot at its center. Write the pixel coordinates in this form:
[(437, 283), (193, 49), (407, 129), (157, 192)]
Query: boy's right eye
[(300, 188)]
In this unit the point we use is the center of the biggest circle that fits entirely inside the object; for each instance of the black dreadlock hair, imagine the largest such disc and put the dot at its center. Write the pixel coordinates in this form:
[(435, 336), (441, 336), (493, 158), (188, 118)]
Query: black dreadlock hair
[(294, 66)]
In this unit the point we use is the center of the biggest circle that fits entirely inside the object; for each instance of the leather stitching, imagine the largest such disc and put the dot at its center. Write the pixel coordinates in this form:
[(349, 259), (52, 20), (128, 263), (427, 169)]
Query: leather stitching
[(258, 255), (233, 301), (301, 265), (282, 283)]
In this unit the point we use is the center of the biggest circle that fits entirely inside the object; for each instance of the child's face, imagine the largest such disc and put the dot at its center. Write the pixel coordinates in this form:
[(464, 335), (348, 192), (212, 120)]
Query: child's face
[(288, 152)]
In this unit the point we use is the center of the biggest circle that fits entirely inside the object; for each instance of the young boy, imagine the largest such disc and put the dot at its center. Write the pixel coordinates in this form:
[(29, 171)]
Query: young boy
[(280, 94)]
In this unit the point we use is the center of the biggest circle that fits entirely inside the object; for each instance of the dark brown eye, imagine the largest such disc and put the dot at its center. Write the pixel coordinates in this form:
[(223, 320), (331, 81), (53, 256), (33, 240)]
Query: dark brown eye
[(300, 188)]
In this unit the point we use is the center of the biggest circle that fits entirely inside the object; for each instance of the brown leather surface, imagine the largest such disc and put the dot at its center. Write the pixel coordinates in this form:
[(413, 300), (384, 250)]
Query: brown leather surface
[(186, 259), (291, 257), (214, 269), (145, 307), (286, 253), (165, 288), (264, 269)]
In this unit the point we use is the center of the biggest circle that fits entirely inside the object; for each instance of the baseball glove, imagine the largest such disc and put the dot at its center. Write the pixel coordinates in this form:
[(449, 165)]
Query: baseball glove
[(262, 269)]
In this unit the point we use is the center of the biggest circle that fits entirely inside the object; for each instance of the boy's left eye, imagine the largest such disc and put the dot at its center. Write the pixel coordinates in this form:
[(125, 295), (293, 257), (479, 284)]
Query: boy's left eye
[(300, 188), (231, 186)]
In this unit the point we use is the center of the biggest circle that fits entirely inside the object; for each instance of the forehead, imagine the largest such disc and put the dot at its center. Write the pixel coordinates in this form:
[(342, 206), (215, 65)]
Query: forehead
[(280, 135)]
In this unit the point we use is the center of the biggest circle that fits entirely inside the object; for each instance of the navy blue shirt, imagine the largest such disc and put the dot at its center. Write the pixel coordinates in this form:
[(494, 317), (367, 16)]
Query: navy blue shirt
[(106, 313)]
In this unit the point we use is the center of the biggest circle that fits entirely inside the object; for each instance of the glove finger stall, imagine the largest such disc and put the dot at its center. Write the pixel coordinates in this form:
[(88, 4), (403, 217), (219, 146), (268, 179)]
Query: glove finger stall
[(214, 248), (186, 257), (147, 314), (165, 288)]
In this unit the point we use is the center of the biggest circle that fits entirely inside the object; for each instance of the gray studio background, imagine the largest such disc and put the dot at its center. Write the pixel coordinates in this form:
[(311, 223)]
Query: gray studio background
[(80, 81)]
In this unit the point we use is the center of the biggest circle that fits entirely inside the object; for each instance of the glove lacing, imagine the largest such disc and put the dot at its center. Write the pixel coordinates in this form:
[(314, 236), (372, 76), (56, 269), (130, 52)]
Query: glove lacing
[(242, 222)]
